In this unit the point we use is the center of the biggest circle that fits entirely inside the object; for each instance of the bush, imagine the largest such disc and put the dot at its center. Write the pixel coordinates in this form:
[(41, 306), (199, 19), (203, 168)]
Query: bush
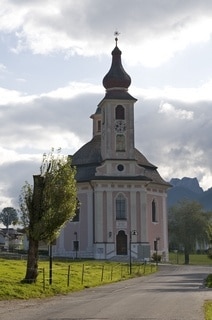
[(156, 257), (209, 281), (210, 253)]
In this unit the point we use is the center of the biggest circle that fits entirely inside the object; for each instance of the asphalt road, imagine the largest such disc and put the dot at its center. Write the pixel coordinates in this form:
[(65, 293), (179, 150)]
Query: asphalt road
[(173, 293)]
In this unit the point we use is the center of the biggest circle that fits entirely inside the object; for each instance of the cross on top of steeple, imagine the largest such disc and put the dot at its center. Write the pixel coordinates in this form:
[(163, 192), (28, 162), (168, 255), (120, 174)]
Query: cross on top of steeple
[(116, 34)]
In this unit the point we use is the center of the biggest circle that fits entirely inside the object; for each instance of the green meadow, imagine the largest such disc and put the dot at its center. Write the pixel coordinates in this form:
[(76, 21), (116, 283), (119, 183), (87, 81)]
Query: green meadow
[(67, 276), (195, 259)]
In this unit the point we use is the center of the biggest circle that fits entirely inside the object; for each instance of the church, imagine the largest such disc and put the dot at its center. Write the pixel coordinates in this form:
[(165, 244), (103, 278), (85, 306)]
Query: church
[(122, 198)]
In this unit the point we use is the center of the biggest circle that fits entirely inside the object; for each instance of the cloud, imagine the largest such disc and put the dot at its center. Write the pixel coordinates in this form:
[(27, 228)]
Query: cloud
[(2, 68), (32, 125), (155, 51), (171, 111), (175, 137), (153, 33), (11, 96), (54, 56), (74, 89), (185, 94)]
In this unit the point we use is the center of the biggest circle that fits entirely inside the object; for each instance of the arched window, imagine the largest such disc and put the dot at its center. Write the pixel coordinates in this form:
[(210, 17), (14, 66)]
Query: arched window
[(154, 212), (120, 142), (120, 112), (121, 207)]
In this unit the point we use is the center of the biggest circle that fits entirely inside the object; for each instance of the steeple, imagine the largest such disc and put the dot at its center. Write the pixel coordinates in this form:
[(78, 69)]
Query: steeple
[(117, 114), (116, 78)]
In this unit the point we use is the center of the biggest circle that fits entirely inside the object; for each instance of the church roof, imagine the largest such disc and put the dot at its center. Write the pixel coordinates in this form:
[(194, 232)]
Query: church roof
[(117, 94), (116, 76), (88, 158), (89, 153), (117, 81)]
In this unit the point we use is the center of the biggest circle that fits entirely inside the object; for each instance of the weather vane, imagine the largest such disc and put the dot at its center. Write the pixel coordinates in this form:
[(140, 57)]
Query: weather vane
[(116, 34)]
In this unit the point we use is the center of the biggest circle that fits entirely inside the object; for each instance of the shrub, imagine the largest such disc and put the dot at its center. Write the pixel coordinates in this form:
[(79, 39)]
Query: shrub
[(209, 281), (156, 257), (210, 253)]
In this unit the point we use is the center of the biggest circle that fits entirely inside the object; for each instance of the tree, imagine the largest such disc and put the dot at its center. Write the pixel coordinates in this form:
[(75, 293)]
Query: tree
[(47, 206), (188, 224), (209, 233), (9, 216)]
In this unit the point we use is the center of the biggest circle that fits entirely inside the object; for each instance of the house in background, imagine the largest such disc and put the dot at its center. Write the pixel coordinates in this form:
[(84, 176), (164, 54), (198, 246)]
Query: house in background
[(122, 197), (11, 239), (2, 240)]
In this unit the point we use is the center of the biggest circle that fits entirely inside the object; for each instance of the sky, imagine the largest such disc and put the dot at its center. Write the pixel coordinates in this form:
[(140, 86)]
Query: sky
[(53, 57)]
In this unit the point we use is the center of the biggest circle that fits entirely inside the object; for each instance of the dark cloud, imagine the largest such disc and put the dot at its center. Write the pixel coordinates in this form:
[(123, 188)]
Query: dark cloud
[(166, 139), (36, 120), (172, 134), (13, 177), (94, 21), (181, 144)]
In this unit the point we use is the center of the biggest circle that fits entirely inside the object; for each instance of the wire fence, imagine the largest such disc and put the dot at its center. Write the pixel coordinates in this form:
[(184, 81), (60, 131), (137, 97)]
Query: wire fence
[(86, 275), (64, 276)]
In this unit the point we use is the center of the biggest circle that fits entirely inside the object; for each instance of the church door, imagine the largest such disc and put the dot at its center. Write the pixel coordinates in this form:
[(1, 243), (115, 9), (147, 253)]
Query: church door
[(121, 243)]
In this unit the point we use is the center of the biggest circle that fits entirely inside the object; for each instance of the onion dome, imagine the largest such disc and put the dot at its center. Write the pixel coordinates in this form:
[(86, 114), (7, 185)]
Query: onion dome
[(117, 76)]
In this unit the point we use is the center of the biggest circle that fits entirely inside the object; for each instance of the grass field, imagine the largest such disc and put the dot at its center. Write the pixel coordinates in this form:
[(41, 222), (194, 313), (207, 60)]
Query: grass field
[(67, 276), (195, 259)]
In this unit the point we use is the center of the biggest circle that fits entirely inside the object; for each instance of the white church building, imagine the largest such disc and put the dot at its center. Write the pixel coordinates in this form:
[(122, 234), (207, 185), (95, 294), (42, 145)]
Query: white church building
[(122, 197)]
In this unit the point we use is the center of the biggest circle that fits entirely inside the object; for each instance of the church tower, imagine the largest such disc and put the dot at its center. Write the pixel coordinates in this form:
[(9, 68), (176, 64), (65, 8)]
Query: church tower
[(121, 194), (117, 112)]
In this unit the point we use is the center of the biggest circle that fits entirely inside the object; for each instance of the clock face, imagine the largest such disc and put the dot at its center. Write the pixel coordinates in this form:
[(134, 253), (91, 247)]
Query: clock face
[(120, 126)]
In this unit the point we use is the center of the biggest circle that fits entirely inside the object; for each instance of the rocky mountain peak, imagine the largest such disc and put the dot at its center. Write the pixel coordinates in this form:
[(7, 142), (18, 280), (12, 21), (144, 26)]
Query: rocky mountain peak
[(188, 183), (189, 189)]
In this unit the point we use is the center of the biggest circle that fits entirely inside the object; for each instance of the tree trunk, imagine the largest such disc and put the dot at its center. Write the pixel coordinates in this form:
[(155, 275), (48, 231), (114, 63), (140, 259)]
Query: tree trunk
[(186, 255), (32, 262)]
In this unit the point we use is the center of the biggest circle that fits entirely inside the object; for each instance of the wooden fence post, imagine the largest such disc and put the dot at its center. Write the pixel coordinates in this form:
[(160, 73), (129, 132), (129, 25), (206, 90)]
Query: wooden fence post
[(102, 276), (68, 275), (111, 274), (82, 279), (44, 280)]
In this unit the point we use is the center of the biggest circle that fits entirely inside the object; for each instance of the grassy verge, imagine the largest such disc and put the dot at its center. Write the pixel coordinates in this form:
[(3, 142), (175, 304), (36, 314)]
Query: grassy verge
[(208, 304), (67, 276), (208, 310)]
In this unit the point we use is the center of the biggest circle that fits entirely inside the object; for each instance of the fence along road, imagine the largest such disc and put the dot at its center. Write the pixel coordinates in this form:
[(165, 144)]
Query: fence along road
[(174, 293)]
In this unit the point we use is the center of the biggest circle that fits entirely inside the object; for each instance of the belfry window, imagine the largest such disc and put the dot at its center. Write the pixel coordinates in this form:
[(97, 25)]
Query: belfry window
[(120, 112), (120, 207), (154, 212)]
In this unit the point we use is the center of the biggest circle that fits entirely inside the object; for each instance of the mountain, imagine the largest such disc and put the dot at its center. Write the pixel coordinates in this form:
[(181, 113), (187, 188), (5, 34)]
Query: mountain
[(189, 189)]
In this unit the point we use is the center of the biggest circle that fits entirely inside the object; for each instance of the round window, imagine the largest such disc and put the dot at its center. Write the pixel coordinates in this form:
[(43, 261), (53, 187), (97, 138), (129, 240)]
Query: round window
[(120, 167)]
